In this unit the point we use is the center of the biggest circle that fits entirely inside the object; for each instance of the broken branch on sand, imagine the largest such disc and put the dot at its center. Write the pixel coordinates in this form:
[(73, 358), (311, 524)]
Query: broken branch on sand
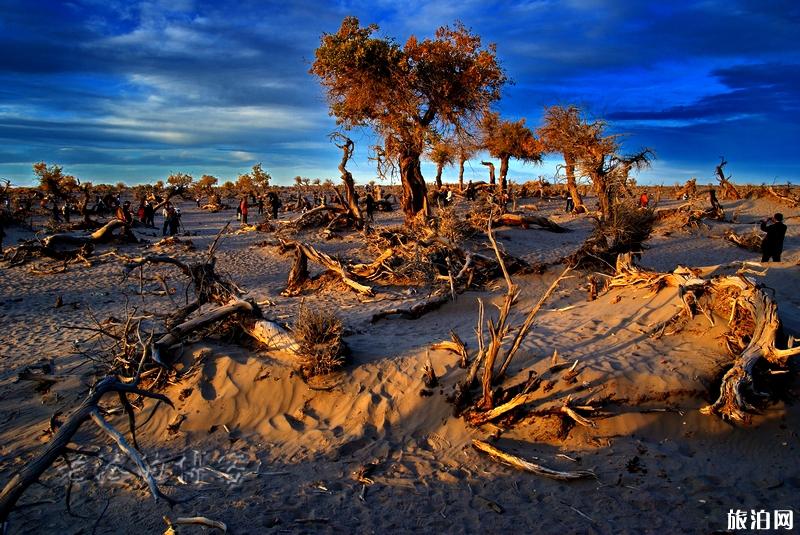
[(57, 446), (527, 466)]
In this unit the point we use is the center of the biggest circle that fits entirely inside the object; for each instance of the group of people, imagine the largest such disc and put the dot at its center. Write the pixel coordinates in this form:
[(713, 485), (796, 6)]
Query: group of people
[(172, 219), (243, 208), (146, 213)]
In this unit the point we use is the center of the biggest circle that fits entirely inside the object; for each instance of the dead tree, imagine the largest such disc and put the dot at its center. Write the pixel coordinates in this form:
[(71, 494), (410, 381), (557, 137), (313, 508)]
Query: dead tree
[(751, 315), (688, 190), (787, 199), (490, 165), (347, 146), (729, 191), (58, 445)]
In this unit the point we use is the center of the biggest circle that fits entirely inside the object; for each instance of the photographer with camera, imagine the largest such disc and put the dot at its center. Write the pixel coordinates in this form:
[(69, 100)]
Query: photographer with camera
[(772, 243)]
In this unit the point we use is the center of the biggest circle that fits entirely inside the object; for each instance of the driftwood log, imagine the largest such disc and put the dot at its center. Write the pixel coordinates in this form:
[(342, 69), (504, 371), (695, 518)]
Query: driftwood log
[(525, 221)]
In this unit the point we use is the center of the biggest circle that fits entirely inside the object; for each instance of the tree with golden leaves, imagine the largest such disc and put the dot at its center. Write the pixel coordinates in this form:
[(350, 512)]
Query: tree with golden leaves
[(260, 177), (589, 150), (442, 153), (245, 184), (53, 181), (598, 158), (408, 94), (509, 139), (564, 131), (179, 180)]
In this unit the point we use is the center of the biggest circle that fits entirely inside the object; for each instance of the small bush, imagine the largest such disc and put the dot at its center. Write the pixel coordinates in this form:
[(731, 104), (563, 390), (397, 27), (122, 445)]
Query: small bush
[(628, 227), (319, 335)]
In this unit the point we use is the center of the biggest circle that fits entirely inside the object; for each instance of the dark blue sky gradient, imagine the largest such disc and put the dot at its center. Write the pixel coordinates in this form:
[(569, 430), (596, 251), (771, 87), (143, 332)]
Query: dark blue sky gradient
[(132, 91)]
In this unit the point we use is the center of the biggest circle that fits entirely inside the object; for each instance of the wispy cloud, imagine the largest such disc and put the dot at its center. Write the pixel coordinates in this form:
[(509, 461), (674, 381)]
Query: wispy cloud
[(132, 89)]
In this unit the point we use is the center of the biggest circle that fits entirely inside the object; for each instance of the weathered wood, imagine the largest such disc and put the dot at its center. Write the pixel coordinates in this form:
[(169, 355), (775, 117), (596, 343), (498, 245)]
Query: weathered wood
[(57, 445), (161, 348), (527, 466), (524, 221)]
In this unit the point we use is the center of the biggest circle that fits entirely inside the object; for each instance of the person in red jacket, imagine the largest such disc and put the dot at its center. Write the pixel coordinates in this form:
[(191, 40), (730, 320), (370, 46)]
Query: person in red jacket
[(243, 209)]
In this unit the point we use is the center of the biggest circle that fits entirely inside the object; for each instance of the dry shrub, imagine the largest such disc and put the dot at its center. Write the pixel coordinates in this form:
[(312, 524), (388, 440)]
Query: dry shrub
[(319, 335), (452, 227), (628, 227), (625, 231)]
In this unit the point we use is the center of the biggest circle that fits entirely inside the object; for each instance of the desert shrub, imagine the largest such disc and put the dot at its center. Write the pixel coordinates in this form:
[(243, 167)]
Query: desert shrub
[(626, 230), (453, 227), (319, 335), (628, 227)]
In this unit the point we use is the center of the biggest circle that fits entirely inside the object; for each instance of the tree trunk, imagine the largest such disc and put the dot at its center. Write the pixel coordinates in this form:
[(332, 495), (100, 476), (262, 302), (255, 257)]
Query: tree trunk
[(490, 165), (461, 173), (439, 168), (414, 190), (349, 185), (504, 173), (572, 185), (601, 188)]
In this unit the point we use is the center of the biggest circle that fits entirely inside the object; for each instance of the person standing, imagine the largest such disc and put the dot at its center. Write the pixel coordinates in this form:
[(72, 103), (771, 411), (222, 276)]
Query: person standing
[(243, 209), (644, 200), (274, 204), (149, 216), (167, 213), (370, 205), (175, 222), (772, 243)]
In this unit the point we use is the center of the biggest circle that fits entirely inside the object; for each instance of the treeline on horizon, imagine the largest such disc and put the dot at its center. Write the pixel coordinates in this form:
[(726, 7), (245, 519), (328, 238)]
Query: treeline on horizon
[(427, 99)]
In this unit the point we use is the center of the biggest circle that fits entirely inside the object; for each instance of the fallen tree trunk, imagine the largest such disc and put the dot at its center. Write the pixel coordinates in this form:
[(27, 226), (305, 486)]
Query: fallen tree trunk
[(738, 382), (752, 317), (416, 311), (304, 252), (792, 202), (524, 221)]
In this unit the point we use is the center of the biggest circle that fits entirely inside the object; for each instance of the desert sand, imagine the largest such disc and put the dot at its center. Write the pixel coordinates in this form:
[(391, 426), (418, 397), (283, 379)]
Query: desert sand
[(251, 444)]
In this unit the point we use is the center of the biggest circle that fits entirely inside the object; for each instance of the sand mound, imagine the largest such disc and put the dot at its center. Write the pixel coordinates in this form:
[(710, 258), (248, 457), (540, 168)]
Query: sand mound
[(227, 390)]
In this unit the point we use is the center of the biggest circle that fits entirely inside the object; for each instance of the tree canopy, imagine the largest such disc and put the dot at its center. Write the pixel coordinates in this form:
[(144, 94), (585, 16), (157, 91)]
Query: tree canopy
[(509, 139), (410, 93)]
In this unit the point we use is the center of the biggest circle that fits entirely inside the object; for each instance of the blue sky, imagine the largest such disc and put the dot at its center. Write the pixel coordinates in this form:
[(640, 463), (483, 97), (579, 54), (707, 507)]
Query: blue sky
[(134, 90)]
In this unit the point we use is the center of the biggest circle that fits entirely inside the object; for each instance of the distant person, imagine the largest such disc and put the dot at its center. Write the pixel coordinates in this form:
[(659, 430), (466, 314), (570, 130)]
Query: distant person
[(644, 200), (274, 204), (470, 191), (55, 211), (198, 200), (772, 243), (167, 212), (175, 222), (66, 210), (243, 209), (369, 202), (149, 215), (570, 205), (260, 205)]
